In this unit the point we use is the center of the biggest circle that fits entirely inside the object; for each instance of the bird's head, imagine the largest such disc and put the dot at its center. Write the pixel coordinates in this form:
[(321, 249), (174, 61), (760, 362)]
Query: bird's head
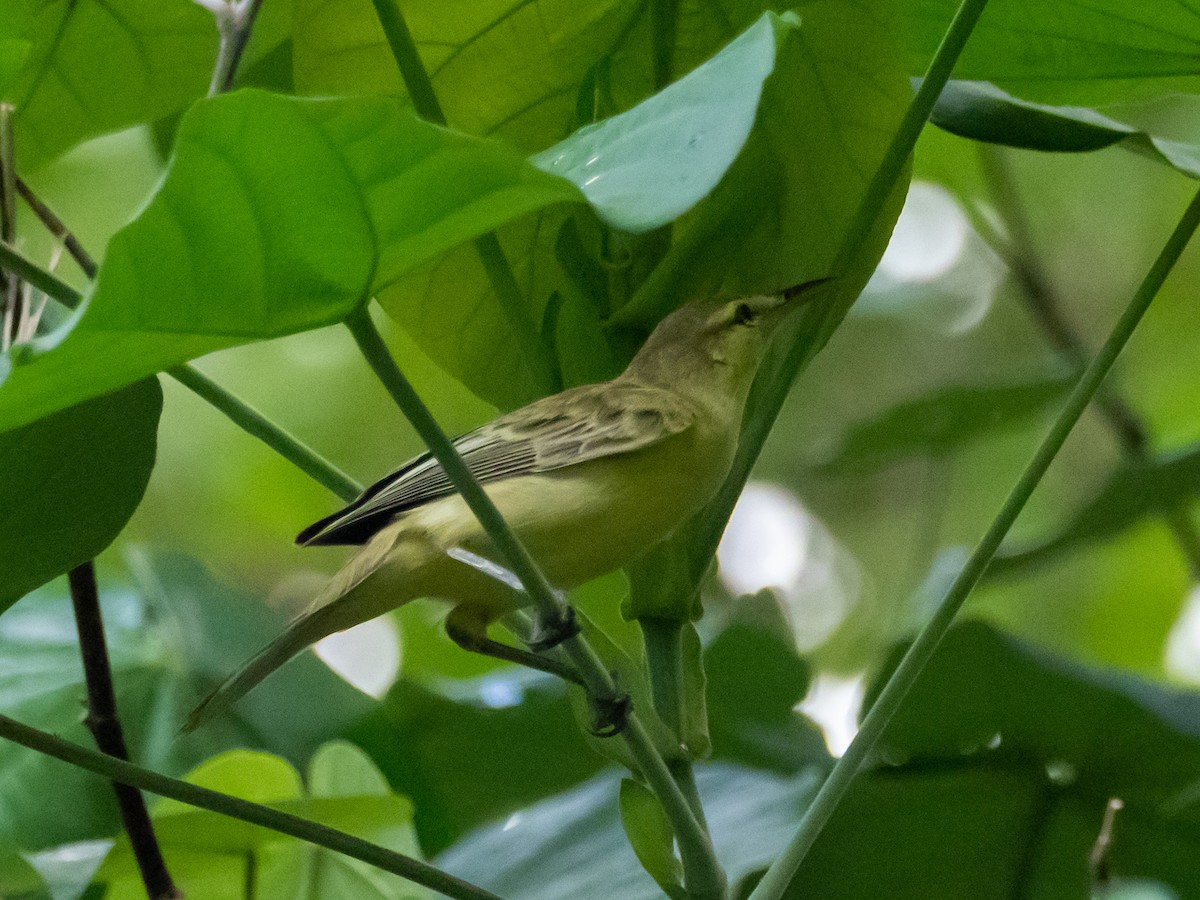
[(711, 341)]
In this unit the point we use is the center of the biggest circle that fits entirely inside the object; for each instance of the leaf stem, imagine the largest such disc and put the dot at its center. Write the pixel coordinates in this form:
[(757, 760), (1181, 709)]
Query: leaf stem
[(237, 411), (235, 21), (922, 649), (257, 425), (495, 262), (11, 311), (237, 808), (104, 723), (703, 874), (1021, 256)]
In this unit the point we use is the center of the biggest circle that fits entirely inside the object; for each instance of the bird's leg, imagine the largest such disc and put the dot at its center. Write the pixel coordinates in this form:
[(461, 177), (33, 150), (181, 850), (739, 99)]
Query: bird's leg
[(469, 631)]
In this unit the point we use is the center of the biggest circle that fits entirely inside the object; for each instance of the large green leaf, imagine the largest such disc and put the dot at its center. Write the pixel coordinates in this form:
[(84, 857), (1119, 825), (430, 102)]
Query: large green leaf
[(1060, 51), (92, 66), (71, 481), (212, 855), (547, 66), (277, 215), (170, 640)]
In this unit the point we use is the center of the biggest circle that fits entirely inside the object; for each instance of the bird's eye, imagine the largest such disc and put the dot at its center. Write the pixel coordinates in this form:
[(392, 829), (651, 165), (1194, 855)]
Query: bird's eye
[(743, 314)]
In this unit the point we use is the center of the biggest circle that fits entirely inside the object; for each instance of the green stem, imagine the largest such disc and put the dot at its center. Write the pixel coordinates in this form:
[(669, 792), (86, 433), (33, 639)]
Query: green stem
[(703, 874), (241, 414), (235, 21), (495, 263), (257, 425), (776, 880), (14, 261), (123, 772)]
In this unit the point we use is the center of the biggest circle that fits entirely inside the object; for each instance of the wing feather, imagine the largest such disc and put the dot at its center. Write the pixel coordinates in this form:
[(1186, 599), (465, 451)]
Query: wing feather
[(583, 423)]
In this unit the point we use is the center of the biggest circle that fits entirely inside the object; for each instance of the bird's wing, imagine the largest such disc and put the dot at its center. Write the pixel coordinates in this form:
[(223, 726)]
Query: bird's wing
[(580, 424)]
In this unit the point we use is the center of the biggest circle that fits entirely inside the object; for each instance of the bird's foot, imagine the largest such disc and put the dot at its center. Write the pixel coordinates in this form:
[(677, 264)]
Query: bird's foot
[(551, 632), (610, 714)]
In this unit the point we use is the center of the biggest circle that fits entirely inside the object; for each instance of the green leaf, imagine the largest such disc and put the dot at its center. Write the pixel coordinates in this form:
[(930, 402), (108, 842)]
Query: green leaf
[(157, 57), (71, 482), (650, 835), (996, 772), (646, 167), (537, 854), (1059, 51), (1135, 491), (941, 422), (276, 216), (548, 66), (983, 112), (170, 639), (18, 879), (779, 215), (500, 730), (345, 791)]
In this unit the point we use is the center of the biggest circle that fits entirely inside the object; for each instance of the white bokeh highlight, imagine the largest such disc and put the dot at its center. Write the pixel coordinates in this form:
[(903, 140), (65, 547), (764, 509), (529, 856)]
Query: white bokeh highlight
[(367, 655), (833, 702), (773, 542), (1182, 651)]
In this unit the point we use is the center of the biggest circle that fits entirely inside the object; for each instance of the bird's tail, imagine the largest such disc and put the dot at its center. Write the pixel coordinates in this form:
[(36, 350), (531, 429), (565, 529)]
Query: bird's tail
[(351, 597)]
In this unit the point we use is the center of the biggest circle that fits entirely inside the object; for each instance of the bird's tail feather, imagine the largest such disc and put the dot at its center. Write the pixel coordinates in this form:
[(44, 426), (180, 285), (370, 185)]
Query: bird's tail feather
[(350, 598)]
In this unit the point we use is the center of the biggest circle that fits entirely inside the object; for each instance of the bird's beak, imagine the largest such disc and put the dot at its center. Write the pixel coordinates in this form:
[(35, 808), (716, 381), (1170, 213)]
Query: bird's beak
[(794, 298)]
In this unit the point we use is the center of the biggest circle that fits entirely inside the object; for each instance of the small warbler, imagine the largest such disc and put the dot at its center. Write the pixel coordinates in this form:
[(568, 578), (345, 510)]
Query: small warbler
[(589, 479)]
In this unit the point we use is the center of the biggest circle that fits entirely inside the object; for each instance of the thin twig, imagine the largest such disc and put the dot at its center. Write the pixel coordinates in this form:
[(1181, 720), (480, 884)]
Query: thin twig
[(1099, 860), (10, 282), (59, 230), (775, 882), (105, 725), (237, 808), (495, 262), (702, 872), (1020, 253)]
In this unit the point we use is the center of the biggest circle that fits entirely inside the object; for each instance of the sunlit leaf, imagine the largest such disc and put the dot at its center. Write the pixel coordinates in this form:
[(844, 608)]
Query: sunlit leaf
[(277, 215)]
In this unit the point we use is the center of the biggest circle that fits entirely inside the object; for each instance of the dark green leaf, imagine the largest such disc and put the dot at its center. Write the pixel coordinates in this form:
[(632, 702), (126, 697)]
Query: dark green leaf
[(277, 215), (983, 112), (169, 642), (71, 481)]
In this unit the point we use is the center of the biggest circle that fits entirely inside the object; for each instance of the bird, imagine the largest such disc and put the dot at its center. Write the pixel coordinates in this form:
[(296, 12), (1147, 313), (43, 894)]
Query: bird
[(589, 479)]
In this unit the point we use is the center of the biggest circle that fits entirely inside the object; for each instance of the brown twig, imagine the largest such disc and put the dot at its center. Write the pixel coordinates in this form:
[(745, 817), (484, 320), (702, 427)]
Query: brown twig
[(58, 229), (105, 725), (1099, 860)]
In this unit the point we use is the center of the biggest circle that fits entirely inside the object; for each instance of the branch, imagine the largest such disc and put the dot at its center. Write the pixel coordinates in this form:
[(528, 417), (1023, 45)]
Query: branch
[(237, 808), (703, 874), (922, 649), (105, 725), (491, 254)]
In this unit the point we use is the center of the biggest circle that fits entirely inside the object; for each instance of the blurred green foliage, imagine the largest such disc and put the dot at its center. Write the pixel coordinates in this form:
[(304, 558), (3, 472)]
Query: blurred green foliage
[(276, 215)]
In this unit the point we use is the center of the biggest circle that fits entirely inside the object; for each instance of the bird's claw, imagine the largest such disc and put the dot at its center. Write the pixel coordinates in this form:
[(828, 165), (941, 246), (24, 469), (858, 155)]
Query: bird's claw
[(552, 632)]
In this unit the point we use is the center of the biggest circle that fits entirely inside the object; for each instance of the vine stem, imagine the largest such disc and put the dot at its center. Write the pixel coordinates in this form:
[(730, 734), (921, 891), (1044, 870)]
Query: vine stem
[(310, 832), (235, 21), (104, 723), (495, 262), (922, 649), (702, 872)]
